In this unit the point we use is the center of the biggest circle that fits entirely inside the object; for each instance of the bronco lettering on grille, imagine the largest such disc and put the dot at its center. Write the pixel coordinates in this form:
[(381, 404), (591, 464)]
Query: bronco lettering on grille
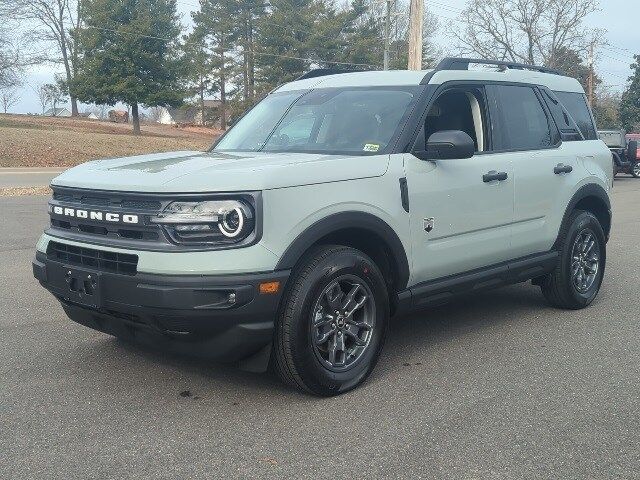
[(95, 215)]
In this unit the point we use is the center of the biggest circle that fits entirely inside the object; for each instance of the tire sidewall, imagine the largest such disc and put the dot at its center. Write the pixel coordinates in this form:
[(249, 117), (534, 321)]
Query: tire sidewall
[(314, 374), (584, 221)]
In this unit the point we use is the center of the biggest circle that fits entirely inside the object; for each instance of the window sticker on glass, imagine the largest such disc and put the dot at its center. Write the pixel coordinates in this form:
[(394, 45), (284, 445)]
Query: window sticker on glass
[(371, 147)]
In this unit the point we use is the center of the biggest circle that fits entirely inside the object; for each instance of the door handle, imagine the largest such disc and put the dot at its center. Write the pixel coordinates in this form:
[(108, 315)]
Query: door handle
[(493, 176), (561, 168)]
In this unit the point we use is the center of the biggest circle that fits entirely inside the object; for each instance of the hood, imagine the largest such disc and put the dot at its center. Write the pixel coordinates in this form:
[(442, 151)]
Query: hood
[(180, 172)]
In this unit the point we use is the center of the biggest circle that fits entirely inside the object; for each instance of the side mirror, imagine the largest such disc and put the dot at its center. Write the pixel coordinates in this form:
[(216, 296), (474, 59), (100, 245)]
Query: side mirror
[(447, 145), (632, 150)]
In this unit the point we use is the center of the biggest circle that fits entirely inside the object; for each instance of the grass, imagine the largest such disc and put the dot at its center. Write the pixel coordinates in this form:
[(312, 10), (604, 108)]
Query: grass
[(29, 141), (18, 191)]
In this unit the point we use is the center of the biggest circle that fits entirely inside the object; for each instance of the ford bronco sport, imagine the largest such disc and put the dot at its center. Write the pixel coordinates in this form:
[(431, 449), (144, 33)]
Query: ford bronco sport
[(339, 200)]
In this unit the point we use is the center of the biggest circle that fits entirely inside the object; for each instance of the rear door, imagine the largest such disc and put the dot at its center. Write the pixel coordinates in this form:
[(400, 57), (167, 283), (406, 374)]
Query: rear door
[(542, 166)]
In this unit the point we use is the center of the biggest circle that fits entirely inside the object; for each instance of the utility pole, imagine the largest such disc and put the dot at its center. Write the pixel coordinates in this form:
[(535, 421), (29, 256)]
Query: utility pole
[(387, 33), (590, 79), (416, 13)]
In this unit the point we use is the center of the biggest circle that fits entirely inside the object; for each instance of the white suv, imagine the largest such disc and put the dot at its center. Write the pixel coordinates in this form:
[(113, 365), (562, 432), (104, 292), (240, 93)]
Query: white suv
[(338, 201)]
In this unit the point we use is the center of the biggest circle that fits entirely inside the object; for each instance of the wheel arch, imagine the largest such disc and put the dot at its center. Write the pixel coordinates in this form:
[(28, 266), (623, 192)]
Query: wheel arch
[(360, 230), (591, 198)]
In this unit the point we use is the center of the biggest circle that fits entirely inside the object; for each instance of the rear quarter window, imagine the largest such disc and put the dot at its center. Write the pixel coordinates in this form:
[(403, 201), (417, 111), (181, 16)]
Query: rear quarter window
[(576, 105)]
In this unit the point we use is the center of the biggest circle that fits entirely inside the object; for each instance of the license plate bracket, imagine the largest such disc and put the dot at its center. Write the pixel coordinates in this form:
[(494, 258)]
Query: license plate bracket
[(82, 287)]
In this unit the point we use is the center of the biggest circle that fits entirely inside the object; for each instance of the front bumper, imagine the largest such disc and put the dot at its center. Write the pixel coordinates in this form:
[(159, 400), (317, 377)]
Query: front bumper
[(222, 317)]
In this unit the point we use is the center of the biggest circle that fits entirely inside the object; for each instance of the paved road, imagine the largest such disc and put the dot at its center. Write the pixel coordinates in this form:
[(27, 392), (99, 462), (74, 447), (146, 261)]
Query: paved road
[(495, 386), (27, 177)]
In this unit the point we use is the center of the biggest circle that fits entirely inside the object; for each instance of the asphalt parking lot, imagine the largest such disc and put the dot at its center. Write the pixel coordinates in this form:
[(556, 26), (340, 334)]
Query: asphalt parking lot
[(494, 386)]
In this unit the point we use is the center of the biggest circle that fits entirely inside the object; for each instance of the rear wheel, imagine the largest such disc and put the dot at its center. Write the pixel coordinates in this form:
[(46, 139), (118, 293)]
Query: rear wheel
[(333, 321), (578, 276), (635, 171)]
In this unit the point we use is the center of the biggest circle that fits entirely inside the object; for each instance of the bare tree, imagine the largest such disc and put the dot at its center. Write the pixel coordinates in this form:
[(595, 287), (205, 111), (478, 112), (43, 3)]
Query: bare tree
[(10, 65), (54, 96), (527, 31), (43, 96), (55, 21), (9, 97)]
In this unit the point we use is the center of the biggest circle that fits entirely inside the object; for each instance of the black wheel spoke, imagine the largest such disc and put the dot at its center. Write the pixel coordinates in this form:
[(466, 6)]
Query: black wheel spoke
[(337, 352), (321, 338), (353, 332), (334, 296)]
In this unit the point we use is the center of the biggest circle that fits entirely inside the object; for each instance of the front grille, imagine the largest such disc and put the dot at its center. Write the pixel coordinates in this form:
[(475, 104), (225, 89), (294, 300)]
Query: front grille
[(143, 205), (101, 260), (106, 200), (144, 233)]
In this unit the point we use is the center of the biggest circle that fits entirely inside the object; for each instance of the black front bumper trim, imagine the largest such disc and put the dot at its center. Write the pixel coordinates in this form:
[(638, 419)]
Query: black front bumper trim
[(221, 317)]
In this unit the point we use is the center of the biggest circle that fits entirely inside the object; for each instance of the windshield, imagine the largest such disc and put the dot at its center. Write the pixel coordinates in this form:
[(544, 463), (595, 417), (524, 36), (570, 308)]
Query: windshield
[(331, 120)]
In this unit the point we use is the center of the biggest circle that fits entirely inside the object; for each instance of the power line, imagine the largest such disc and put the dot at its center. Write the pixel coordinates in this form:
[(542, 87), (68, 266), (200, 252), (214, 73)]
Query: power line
[(291, 57)]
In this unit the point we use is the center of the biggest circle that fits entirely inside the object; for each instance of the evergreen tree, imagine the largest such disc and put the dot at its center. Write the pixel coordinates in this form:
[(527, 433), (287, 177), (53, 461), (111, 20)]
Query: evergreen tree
[(129, 53), (283, 37), (630, 102), (250, 13), (216, 25), (298, 35), (199, 68)]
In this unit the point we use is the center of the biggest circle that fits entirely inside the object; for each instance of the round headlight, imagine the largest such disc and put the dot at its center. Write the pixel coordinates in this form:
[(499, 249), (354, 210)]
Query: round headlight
[(231, 222), (224, 221)]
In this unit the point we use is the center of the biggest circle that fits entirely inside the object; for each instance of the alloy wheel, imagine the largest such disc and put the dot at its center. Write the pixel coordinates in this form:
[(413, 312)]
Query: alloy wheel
[(585, 261), (343, 319)]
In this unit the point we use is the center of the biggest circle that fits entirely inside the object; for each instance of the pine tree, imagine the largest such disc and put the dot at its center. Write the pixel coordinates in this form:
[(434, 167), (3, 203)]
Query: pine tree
[(199, 68), (630, 103), (283, 37), (215, 23), (250, 12), (129, 53)]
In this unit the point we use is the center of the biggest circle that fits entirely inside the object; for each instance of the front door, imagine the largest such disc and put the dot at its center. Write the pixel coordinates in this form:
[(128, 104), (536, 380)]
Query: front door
[(461, 210)]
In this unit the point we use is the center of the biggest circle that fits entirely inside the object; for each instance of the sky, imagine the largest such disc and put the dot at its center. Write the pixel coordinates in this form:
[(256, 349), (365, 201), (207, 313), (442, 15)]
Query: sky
[(612, 62)]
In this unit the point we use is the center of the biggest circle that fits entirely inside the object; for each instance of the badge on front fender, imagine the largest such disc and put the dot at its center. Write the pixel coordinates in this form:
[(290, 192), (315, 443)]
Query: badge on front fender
[(429, 224)]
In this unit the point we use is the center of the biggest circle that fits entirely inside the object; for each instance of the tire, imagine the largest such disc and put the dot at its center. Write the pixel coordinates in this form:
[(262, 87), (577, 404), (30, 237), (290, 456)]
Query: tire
[(300, 357), (565, 287), (635, 170)]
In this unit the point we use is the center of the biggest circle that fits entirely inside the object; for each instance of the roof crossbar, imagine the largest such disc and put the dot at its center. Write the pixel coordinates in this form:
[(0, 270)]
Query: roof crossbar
[(452, 63)]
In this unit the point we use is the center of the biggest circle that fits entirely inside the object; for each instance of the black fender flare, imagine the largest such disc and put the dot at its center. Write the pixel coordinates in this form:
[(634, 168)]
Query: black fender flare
[(348, 220), (590, 190)]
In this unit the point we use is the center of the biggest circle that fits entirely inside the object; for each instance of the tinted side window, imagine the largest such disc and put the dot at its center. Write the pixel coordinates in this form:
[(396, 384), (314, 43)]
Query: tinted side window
[(525, 125), (565, 123), (576, 105)]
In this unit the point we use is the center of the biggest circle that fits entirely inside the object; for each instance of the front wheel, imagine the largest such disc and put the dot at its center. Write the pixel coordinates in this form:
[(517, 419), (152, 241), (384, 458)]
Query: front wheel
[(635, 170), (578, 276), (332, 323)]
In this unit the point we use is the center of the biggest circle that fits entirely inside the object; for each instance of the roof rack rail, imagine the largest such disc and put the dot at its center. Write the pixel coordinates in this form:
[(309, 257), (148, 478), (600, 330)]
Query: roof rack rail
[(321, 72), (453, 63)]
